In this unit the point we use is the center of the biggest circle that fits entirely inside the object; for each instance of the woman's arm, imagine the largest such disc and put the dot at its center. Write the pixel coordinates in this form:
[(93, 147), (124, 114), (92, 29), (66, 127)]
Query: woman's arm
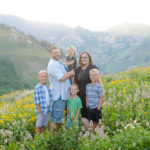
[(101, 83)]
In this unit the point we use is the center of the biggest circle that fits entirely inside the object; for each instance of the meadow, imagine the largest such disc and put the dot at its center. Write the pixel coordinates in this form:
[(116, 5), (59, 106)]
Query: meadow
[(125, 124)]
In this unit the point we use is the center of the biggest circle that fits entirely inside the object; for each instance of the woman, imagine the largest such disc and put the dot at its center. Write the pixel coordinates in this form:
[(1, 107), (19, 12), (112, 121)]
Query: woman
[(82, 79)]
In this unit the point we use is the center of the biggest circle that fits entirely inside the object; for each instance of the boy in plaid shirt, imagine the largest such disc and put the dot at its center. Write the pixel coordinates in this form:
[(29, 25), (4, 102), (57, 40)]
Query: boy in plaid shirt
[(42, 101)]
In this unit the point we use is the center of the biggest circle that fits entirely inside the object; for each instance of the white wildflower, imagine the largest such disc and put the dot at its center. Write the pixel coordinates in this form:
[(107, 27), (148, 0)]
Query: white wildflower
[(134, 144), (117, 123), (5, 141), (147, 124), (24, 120), (119, 148), (22, 147), (2, 147)]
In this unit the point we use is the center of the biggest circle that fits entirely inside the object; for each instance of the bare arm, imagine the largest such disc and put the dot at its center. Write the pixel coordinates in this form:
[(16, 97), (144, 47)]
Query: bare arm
[(67, 111), (86, 101), (70, 63), (101, 83), (39, 108), (100, 102), (67, 75), (78, 112)]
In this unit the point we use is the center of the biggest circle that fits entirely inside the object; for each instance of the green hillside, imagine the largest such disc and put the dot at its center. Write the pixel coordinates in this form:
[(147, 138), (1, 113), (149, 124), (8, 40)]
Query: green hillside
[(21, 57), (125, 121)]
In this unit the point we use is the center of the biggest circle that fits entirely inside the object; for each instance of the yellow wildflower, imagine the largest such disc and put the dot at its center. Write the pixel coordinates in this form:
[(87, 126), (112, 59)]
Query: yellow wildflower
[(145, 85), (1, 121), (4, 117), (124, 90)]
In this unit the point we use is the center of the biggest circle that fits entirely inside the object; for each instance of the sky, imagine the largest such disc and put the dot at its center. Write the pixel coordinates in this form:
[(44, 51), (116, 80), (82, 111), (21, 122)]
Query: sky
[(96, 15)]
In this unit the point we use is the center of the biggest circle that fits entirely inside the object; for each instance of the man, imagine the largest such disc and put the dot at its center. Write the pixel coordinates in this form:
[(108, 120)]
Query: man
[(60, 83)]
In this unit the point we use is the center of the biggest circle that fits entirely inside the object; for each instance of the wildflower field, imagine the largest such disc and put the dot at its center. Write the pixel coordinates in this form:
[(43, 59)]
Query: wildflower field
[(125, 124)]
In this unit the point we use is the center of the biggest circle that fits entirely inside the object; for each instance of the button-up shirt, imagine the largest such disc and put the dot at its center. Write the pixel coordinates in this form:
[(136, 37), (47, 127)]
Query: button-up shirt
[(40, 98), (56, 70)]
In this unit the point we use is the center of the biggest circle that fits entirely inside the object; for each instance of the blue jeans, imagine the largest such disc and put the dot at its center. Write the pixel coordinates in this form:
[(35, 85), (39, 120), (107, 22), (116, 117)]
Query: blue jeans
[(58, 111)]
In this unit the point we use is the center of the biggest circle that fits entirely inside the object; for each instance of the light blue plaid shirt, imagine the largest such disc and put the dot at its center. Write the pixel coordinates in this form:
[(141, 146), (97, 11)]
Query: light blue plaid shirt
[(40, 98)]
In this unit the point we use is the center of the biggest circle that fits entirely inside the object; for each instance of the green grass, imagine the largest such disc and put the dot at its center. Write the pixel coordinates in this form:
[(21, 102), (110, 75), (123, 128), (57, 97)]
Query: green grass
[(26, 59)]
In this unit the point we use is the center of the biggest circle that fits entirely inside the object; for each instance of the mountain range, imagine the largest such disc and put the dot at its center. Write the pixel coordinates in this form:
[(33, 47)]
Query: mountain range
[(24, 45), (119, 48)]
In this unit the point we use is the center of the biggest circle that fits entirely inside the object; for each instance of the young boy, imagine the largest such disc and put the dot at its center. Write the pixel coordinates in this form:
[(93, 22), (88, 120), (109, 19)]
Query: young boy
[(94, 98), (73, 105), (42, 101)]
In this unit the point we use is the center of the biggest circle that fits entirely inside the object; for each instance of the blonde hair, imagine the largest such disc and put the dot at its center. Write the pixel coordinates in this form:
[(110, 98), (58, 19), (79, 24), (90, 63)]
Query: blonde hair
[(53, 48), (94, 71), (42, 71), (74, 85), (90, 59), (71, 48)]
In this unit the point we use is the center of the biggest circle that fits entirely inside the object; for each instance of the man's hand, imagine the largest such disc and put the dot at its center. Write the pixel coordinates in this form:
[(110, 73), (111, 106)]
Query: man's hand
[(72, 73)]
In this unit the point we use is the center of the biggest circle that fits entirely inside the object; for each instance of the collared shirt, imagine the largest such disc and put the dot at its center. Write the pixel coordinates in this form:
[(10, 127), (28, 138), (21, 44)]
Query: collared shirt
[(56, 71), (93, 91), (47, 95), (40, 98)]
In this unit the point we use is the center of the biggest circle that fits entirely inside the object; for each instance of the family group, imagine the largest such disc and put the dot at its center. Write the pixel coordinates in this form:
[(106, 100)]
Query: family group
[(76, 89)]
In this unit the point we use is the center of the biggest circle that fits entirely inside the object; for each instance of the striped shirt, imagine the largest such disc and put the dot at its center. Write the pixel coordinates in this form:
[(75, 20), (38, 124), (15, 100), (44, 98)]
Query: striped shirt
[(40, 98), (93, 91)]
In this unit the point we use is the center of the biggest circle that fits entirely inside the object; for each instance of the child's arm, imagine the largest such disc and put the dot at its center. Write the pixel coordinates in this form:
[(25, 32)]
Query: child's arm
[(100, 102), (70, 63), (78, 112), (86, 101), (67, 111), (36, 100), (39, 108), (64, 60)]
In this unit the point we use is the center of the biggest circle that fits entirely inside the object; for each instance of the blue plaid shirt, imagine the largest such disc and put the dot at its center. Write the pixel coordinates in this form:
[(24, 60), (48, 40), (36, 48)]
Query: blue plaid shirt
[(40, 98)]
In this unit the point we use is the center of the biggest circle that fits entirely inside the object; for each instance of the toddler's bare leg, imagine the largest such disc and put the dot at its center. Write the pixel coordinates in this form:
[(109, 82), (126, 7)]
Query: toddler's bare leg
[(52, 128), (85, 123)]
